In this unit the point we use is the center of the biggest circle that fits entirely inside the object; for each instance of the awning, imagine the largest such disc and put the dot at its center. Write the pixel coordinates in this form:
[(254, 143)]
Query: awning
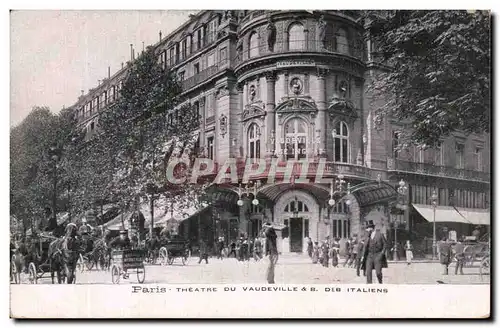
[(443, 213), (476, 216), (180, 214), (116, 223)]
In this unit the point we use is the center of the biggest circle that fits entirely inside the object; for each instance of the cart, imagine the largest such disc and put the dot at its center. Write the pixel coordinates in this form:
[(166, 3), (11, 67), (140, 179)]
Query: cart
[(484, 266), (124, 261), (39, 265), (172, 249)]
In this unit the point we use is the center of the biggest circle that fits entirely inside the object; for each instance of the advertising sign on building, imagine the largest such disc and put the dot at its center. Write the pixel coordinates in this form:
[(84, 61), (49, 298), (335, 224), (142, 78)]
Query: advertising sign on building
[(295, 63)]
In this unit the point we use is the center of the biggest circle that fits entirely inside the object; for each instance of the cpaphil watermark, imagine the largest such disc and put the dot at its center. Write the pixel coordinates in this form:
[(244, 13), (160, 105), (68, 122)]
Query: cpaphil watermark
[(232, 170)]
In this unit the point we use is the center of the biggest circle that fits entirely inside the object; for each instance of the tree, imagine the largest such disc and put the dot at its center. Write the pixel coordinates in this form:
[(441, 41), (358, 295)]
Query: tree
[(34, 174), (135, 130), (438, 76)]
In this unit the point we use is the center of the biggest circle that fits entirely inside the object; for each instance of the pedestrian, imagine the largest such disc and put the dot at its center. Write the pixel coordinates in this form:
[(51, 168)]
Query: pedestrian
[(316, 256), (309, 247), (359, 256), (445, 254), (374, 253), (203, 252), (220, 248), (232, 249), (459, 256), (271, 250), (409, 252), (335, 252), (257, 249), (348, 252), (325, 249)]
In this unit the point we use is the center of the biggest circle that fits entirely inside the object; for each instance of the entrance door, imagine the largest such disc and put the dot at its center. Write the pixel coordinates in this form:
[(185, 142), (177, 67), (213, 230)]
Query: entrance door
[(296, 238)]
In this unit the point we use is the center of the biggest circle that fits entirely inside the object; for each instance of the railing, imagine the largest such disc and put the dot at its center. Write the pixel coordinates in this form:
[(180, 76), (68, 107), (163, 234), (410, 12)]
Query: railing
[(208, 40), (331, 46), (445, 171), (204, 75), (329, 169)]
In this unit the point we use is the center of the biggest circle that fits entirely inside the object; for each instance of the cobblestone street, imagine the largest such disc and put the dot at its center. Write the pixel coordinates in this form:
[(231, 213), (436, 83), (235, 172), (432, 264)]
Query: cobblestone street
[(291, 269)]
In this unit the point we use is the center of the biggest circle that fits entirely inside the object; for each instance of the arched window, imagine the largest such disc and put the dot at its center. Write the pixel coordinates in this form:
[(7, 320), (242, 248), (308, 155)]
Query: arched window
[(296, 37), (296, 206), (296, 139), (341, 142), (253, 45), (254, 141), (342, 42), (341, 223)]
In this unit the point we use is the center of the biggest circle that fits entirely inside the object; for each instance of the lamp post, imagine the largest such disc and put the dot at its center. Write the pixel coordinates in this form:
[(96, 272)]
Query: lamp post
[(434, 198), (248, 191), (54, 155), (339, 192), (402, 189)]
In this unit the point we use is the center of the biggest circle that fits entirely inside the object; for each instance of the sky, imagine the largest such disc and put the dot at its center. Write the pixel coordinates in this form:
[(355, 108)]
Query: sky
[(56, 54)]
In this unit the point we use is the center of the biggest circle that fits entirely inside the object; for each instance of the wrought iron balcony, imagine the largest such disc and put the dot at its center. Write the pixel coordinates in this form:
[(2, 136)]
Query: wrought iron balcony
[(430, 169), (332, 46), (204, 75)]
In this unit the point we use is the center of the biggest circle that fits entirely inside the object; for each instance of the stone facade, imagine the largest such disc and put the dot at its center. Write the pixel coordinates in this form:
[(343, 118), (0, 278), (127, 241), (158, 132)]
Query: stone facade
[(309, 82)]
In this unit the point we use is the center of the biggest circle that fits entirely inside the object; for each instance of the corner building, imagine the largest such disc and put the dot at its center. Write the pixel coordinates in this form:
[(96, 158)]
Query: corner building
[(291, 85)]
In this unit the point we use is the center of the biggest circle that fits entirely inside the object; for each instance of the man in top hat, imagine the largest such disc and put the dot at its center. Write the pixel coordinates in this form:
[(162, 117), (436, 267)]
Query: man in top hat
[(374, 256), (120, 242), (271, 250)]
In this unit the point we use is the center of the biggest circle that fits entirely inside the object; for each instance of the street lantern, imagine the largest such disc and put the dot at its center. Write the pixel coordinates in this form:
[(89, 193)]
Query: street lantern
[(402, 189), (434, 200)]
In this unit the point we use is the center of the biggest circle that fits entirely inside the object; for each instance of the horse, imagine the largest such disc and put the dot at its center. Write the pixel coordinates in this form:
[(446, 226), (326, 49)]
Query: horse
[(63, 254)]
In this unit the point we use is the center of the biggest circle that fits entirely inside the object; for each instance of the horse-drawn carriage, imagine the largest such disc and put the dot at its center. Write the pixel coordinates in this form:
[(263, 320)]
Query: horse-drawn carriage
[(94, 252), (40, 261), (172, 248), (126, 260)]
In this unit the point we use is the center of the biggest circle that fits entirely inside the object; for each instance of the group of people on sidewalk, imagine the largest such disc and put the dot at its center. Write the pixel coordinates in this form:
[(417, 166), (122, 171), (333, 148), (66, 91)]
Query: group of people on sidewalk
[(365, 254)]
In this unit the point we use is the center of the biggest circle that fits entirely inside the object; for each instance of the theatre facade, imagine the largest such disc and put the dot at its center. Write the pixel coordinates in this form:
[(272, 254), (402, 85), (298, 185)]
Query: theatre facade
[(292, 86)]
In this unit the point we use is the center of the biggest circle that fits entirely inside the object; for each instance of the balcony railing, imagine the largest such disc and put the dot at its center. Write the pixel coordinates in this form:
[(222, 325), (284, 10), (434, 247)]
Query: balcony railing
[(330, 169), (445, 171), (204, 75), (331, 46)]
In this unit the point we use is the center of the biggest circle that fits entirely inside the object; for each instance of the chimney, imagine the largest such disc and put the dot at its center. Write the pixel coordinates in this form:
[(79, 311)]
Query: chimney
[(131, 52), (142, 46), (109, 72), (82, 92), (160, 36), (98, 82), (122, 65)]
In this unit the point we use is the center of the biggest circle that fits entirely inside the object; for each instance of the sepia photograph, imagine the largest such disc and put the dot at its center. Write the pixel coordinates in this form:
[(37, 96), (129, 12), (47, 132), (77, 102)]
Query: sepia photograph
[(271, 157)]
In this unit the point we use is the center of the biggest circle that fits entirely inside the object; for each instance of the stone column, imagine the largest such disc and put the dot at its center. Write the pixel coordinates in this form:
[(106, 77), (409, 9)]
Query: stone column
[(240, 142), (270, 116), (202, 125), (321, 117)]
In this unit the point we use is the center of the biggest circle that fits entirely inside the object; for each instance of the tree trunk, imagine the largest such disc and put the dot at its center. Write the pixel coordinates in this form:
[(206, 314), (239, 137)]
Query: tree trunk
[(151, 208)]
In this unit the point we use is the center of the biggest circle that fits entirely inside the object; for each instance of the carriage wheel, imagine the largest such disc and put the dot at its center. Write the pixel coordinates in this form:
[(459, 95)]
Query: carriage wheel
[(80, 264), (163, 256), (115, 274), (13, 270), (33, 277), (141, 274), (484, 268)]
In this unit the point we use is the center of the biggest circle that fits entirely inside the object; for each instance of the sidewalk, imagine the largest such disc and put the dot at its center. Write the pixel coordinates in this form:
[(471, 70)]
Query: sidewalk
[(300, 257)]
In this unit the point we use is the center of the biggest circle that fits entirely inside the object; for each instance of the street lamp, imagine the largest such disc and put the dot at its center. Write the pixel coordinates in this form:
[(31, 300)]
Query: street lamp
[(402, 189), (247, 191), (434, 199), (54, 156), (338, 192)]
